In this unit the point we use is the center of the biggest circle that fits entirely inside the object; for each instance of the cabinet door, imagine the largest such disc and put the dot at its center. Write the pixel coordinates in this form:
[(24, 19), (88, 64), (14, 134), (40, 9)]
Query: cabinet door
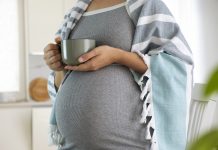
[(15, 129), (40, 124), (43, 17)]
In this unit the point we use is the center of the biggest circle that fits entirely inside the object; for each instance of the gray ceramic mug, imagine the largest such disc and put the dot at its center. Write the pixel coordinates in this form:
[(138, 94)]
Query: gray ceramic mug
[(72, 49)]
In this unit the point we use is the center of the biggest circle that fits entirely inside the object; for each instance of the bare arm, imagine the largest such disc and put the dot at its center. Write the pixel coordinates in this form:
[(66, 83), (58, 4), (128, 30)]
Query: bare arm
[(105, 55), (131, 60)]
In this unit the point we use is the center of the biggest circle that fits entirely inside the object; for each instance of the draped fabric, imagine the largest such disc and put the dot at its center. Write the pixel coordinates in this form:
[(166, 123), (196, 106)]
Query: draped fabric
[(165, 86)]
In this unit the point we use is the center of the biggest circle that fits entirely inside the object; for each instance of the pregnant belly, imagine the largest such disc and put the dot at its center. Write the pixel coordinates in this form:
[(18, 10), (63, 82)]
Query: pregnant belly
[(100, 108)]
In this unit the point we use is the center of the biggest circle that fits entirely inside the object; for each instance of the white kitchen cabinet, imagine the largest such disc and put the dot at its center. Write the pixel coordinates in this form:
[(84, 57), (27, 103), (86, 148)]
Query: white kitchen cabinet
[(43, 18), (40, 124), (15, 129)]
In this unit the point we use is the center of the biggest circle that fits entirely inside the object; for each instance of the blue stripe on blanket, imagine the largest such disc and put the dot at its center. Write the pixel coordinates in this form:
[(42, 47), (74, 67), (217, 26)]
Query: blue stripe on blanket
[(169, 74)]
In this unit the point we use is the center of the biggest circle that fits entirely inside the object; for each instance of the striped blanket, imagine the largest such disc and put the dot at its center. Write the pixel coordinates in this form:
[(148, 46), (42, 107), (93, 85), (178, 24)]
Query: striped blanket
[(165, 86)]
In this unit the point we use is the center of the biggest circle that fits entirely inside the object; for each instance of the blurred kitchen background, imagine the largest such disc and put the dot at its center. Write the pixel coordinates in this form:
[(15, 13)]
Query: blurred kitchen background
[(26, 26)]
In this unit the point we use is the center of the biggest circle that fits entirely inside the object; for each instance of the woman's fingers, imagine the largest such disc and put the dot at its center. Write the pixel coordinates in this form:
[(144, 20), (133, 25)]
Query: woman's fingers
[(58, 40), (56, 66), (51, 47), (85, 57), (54, 59), (50, 54), (50, 50), (82, 67), (90, 65)]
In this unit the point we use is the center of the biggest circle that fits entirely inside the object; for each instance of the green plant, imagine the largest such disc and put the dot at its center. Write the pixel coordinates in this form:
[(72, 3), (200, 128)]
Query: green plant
[(209, 141), (212, 85)]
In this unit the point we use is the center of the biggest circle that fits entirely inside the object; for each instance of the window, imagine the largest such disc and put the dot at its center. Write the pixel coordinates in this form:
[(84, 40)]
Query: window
[(12, 87)]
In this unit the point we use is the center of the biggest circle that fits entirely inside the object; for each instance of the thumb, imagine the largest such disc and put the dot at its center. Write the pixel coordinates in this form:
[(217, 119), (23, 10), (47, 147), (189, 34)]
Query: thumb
[(58, 40)]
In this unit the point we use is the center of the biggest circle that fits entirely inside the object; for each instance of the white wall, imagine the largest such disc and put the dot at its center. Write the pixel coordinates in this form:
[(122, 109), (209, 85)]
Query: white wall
[(198, 20), (205, 38)]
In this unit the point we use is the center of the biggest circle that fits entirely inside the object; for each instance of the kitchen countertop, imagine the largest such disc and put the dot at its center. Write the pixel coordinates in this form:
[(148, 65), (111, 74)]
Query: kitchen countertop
[(26, 103)]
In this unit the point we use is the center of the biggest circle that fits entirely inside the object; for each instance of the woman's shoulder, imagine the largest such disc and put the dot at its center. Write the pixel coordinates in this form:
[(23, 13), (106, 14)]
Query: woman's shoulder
[(138, 8)]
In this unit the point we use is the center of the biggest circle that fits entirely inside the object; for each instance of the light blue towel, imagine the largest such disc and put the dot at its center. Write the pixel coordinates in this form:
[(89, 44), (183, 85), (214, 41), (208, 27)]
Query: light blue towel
[(169, 107)]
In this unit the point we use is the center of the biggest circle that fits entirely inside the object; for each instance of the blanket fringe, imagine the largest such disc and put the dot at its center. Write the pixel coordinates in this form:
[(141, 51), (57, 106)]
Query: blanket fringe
[(145, 90), (55, 138), (147, 115), (154, 144)]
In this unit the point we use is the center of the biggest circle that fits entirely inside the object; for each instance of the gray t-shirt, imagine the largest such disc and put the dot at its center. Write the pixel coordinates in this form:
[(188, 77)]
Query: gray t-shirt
[(102, 109), (113, 28)]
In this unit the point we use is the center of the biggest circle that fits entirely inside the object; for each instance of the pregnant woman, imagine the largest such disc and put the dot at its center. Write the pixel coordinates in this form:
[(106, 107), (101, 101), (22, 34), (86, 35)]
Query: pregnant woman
[(98, 106)]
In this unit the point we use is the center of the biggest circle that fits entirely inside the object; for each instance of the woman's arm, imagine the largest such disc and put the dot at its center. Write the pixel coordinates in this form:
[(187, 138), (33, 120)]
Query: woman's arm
[(105, 55), (131, 60), (52, 57)]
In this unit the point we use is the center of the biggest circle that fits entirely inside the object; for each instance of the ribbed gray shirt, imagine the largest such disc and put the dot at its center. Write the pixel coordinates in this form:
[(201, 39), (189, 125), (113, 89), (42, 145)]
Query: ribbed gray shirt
[(102, 109), (113, 28)]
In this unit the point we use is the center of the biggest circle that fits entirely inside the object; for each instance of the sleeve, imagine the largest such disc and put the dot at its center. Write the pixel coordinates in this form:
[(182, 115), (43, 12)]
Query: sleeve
[(157, 31)]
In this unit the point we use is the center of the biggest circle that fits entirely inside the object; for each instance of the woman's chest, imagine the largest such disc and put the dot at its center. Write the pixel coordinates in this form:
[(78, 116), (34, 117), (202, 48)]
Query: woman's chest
[(107, 27)]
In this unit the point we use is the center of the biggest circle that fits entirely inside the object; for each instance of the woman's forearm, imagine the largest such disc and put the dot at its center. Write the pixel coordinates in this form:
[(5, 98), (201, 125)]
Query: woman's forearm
[(131, 60), (105, 55)]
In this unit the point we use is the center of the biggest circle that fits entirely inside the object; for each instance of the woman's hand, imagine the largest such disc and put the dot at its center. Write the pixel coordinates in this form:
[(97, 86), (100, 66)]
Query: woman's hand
[(97, 58), (105, 55), (52, 56)]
